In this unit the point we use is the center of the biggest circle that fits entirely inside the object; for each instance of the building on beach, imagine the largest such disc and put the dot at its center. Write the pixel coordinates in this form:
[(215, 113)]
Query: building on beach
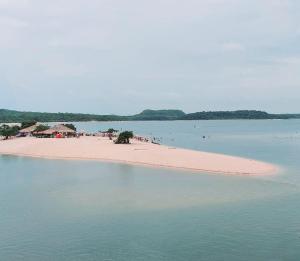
[(58, 131), (28, 131)]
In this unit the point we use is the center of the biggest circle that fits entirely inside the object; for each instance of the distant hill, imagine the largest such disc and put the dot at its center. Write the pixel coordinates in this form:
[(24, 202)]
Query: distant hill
[(231, 115), (158, 115), (7, 116), (18, 116)]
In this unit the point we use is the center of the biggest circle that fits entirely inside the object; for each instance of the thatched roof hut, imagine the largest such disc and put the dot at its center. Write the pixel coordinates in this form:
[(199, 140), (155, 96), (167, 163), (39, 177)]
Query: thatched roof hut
[(45, 132), (28, 130), (60, 128)]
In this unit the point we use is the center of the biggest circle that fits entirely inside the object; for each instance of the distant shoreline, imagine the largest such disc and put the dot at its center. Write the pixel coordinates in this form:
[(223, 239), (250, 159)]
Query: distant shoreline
[(137, 153), (10, 116), (57, 122)]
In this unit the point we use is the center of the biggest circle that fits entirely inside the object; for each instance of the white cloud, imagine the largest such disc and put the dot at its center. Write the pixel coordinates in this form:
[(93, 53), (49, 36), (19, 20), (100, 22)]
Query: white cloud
[(232, 46), (12, 22), (294, 60), (13, 3), (198, 50)]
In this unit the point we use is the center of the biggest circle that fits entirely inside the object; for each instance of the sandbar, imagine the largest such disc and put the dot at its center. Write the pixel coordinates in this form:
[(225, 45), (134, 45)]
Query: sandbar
[(137, 153)]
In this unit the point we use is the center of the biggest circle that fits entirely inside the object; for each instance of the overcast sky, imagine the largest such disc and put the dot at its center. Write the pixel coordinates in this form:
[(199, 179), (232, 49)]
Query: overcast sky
[(117, 56)]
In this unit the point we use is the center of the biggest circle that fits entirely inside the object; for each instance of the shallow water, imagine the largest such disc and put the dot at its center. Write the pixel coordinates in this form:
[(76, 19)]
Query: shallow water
[(87, 210)]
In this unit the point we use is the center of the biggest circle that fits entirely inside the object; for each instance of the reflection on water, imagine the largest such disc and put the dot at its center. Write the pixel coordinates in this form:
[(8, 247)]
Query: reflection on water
[(87, 210)]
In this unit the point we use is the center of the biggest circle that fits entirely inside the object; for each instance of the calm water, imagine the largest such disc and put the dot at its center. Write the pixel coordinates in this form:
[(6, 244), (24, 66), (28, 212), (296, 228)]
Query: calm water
[(68, 210)]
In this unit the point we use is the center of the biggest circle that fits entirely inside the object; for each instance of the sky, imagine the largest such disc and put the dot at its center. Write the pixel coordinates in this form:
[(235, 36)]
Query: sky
[(120, 57)]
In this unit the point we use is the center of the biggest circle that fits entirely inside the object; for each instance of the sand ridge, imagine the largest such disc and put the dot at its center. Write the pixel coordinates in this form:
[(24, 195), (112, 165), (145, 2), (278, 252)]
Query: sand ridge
[(138, 153)]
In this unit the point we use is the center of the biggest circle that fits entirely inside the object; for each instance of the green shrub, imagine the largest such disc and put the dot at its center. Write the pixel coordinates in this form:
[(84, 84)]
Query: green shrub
[(42, 128), (111, 130), (124, 137)]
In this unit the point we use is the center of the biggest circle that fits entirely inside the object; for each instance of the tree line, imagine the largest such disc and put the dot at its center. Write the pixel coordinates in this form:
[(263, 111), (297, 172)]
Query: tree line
[(7, 116)]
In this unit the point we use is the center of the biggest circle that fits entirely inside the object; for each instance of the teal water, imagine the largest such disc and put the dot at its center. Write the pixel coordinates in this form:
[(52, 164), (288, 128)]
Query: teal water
[(87, 210)]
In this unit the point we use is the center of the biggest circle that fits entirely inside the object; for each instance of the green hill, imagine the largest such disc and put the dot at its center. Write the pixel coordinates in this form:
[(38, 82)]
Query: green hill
[(231, 115), (146, 115), (158, 115), (17, 116)]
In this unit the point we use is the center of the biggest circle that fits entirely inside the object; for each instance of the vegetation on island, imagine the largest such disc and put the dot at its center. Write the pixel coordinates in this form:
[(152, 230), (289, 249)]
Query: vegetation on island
[(232, 115), (158, 115), (8, 116), (124, 137), (70, 126), (26, 124), (18, 116), (7, 131), (111, 130), (42, 127)]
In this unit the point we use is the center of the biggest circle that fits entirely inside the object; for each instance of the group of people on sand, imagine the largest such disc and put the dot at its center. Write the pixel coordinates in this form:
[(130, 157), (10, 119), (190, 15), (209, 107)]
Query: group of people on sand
[(106, 135), (114, 135), (140, 138)]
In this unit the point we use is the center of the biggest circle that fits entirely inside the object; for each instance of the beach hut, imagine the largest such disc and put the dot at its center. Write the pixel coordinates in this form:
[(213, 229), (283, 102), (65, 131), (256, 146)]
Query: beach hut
[(44, 134), (28, 131), (63, 130), (58, 131)]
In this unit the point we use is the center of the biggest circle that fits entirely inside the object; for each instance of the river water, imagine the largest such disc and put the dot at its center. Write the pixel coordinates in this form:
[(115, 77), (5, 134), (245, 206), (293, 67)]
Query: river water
[(87, 210)]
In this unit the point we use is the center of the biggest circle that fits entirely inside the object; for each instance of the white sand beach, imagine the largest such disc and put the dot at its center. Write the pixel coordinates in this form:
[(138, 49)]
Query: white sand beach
[(138, 153)]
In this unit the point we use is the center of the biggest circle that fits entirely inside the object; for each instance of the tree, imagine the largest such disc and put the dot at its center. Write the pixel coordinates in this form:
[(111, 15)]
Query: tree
[(27, 124), (70, 126), (41, 127), (124, 137), (111, 130), (7, 131)]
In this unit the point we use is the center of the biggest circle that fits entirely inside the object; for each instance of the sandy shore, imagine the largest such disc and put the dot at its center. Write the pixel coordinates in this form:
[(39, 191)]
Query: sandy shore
[(148, 154)]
